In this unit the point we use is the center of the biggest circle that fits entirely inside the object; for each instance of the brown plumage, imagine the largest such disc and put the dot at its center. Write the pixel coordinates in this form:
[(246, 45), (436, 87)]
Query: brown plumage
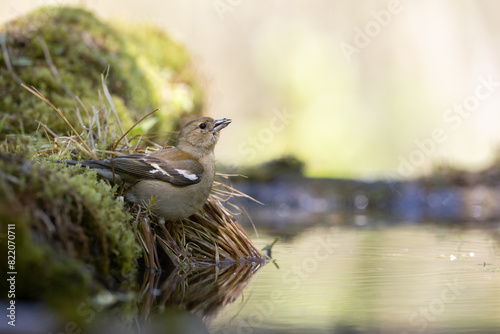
[(179, 178)]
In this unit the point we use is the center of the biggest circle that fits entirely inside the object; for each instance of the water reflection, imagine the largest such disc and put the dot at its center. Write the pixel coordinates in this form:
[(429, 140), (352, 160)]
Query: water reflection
[(203, 291), (389, 279), (344, 278)]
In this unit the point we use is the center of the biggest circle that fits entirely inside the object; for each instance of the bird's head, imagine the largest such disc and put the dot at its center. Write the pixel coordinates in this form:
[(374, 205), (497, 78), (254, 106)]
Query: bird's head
[(199, 136)]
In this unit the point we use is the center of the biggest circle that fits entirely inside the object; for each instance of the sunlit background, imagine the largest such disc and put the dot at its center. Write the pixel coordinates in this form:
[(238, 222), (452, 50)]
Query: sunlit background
[(356, 89), (359, 89)]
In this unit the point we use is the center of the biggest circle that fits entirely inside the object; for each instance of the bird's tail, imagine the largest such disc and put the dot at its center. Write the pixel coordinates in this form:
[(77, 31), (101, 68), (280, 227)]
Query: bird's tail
[(100, 166), (84, 163), (71, 162)]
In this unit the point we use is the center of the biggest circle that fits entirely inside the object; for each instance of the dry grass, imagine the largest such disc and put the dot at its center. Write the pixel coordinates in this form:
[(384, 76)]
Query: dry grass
[(211, 236)]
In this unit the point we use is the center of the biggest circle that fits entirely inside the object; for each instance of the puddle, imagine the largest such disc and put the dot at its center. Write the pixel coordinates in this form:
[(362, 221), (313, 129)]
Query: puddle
[(399, 279), (348, 278)]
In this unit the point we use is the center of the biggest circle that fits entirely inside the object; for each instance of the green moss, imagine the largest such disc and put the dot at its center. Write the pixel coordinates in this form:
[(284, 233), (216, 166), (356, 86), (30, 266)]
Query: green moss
[(144, 62), (167, 65), (71, 232), (108, 214)]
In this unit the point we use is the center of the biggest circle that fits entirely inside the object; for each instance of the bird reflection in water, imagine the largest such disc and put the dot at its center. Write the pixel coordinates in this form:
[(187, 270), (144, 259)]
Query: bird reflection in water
[(202, 291)]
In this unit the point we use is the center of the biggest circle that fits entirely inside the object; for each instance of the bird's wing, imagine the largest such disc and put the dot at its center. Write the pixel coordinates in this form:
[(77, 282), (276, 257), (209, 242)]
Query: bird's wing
[(171, 165)]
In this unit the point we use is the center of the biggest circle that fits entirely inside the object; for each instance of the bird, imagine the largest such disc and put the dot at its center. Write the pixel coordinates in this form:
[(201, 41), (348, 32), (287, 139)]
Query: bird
[(176, 181)]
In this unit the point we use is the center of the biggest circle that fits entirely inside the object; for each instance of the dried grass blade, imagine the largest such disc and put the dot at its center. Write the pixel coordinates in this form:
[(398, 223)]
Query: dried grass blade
[(112, 105), (133, 126), (6, 57), (35, 92)]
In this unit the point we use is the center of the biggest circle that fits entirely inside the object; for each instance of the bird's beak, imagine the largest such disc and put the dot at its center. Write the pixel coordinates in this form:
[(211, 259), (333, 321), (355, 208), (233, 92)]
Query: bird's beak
[(221, 124)]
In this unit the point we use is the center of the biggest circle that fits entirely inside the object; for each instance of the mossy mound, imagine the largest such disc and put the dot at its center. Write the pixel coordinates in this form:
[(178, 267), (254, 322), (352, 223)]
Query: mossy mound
[(70, 232), (63, 51), (74, 235)]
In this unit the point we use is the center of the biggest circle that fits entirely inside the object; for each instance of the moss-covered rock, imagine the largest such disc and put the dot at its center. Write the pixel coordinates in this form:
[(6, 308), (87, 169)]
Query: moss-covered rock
[(74, 235), (63, 51), (70, 232)]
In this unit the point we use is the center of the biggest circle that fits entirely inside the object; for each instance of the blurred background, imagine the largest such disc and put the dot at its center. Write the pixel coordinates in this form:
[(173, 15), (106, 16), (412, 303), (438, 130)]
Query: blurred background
[(365, 89), (383, 90)]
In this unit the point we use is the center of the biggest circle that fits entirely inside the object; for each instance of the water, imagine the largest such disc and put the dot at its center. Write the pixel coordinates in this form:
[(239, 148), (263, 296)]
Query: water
[(390, 279), (336, 277)]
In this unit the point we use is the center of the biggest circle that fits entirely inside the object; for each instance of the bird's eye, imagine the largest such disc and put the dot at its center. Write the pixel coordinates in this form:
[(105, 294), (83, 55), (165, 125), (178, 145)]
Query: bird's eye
[(203, 125)]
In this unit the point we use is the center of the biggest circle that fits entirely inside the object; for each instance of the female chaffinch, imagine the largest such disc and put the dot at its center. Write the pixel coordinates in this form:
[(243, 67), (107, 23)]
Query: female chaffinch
[(178, 178)]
